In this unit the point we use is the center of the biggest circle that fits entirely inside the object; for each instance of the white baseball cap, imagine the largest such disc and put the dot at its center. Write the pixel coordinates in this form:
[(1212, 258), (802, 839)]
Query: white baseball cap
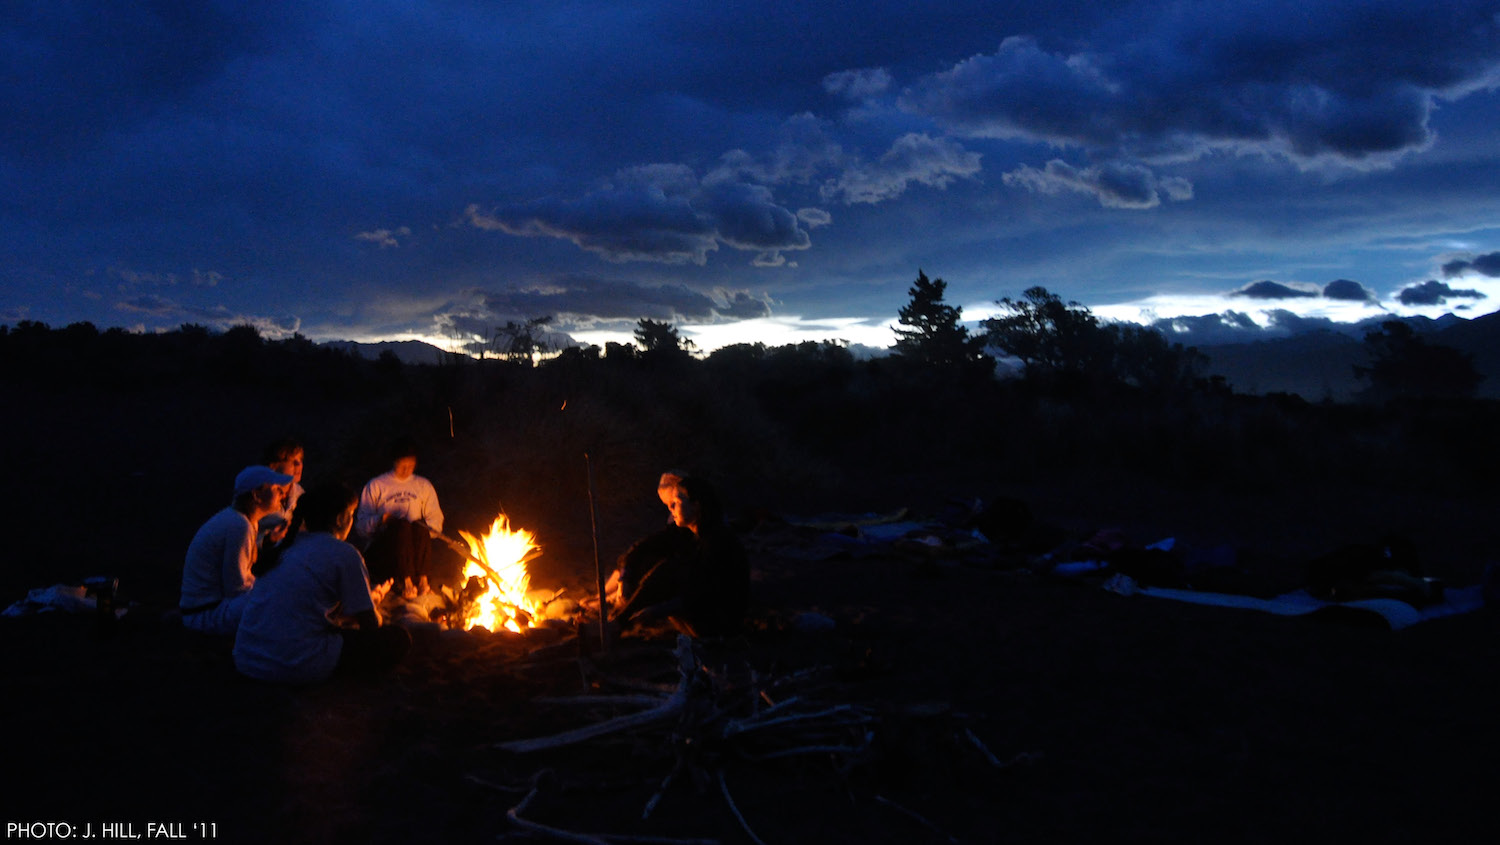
[(257, 476)]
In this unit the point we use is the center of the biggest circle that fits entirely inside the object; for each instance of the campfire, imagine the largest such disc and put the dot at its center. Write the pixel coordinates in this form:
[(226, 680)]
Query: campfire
[(497, 581)]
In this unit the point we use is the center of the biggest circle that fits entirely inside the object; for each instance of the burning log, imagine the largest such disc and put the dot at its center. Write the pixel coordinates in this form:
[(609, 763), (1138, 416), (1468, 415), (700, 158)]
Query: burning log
[(497, 592)]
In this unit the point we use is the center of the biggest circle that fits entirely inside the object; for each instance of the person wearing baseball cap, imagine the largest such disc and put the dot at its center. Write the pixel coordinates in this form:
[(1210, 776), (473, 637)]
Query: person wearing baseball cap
[(216, 575)]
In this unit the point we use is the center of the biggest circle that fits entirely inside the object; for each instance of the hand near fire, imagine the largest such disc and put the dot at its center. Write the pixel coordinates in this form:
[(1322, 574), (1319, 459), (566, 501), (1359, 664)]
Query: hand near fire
[(379, 591), (612, 593)]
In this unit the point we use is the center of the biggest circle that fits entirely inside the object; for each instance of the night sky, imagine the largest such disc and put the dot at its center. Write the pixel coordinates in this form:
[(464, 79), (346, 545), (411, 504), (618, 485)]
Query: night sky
[(751, 171)]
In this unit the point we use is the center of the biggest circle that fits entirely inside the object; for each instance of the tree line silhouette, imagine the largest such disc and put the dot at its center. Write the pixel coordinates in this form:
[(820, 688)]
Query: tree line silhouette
[(1091, 396)]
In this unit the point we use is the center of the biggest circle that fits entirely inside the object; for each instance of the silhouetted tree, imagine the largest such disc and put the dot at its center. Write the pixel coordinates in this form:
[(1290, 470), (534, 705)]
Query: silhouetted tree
[(1063, 342), (520, 342), (1404, 366), (1143, 357), (934, 335), (660, 341), (578, 353), (1051, 337), (614, 351)]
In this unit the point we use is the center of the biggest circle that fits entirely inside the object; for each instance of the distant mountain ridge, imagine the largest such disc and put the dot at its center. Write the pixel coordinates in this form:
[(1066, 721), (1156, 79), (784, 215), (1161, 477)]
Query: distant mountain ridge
[(406, 351), (1320, 364)]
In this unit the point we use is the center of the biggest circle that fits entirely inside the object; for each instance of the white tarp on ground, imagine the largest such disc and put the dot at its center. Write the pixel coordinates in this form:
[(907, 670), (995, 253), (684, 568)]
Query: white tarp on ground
[(1397, 614)]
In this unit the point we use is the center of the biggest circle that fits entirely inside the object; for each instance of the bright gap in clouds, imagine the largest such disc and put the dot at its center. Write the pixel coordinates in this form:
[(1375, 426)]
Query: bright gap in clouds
[(772, 331), (1166, 306), (876, 334)]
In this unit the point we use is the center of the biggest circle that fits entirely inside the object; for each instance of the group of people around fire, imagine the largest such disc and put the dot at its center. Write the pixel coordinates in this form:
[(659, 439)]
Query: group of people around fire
[(287, 571)]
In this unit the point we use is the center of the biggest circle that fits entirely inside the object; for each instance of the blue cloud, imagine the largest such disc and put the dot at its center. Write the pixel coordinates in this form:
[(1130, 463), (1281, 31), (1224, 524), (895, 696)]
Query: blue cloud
[(1485, 265), (1272, 290), (1433, 292), (1114, 184), (1346, 289), (661, 213), (913, 159), (1278, 77)]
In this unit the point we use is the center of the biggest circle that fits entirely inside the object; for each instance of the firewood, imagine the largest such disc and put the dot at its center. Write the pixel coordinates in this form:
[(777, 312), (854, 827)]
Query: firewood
[(917, 817), (740, 817), (671, 708)]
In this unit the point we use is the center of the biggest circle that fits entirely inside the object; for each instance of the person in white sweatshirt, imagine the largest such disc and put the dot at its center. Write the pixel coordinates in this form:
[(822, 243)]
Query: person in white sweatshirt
[(398, 514)]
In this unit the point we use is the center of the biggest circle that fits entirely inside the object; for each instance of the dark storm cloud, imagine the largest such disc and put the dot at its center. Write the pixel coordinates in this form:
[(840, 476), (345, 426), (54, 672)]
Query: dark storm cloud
[(219, 317), (858, 84), (803, 149), (1434, 292), (580, 302), (133, 278), (1272, 290), (914, 158), (1283, 322), (739, 305), (155, 306), (1487, 265), (309, 158), (76, 70), (666, 213), (1114, 184), (1350, 81), (661, 213), (1346, 289)]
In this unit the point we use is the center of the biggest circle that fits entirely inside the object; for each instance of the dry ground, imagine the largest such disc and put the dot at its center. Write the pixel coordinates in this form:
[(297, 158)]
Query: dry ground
[(1119, 720)]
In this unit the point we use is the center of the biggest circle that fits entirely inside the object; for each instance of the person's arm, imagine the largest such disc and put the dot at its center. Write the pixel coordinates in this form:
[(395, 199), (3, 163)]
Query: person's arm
[(431, 513), (361, 603), (239, 558), (367, 517)]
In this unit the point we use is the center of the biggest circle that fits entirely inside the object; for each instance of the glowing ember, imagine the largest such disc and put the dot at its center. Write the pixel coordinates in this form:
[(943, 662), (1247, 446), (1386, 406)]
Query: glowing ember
[(504, 603)]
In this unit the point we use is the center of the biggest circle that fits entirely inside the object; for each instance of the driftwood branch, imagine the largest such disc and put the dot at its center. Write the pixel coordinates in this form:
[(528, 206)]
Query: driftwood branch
[(660, 791), (729, 799), (539, 829), (915, 816), (1019, 759), (754, 723), (514, 814), (666, 710)]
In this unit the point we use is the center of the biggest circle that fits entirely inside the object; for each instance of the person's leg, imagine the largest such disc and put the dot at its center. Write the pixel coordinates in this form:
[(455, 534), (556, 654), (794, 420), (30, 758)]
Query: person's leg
[(383, 556), (370, 652), (420, 543)]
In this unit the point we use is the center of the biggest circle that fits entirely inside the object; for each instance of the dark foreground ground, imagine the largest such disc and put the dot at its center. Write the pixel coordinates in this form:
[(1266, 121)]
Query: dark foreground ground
[(947, 703), (990, 705)]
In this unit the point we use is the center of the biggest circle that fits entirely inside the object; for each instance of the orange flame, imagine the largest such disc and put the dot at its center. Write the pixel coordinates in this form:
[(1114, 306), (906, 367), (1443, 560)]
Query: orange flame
[(505, 551)]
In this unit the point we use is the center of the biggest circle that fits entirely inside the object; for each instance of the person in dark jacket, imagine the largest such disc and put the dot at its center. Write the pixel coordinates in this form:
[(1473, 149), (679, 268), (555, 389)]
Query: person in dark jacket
[(694, 572)]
